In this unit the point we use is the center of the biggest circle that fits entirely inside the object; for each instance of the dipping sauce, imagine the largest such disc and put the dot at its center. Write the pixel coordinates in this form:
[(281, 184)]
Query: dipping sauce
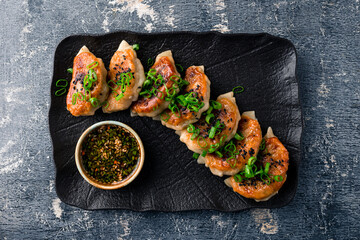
[(110, 153)]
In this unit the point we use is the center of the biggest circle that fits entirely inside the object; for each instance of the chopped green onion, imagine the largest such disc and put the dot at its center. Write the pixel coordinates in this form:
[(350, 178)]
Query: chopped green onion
[(203, 139), (92, 75), (241, 89), (70, 70), (119, 96), (238, 178), (209, 110), (216, 105), (219, 154), (61, 85), (261, 171), (195, 134), (251, 161), (212, 132), (112, 84), (164, 119), (179, 67), (150, 62), (80, 96), (151, 72), (92, 65), (262, 145), (209, 118), (267, 166), (87, 95), (174, 112), (181, 100), (213, 147), (87, 83), (248, 172), (278, 178), (146, 83), (223, 138), (60, 92), (203, 154), (233, 165), (190, 128), (73, 99), (136, 47), (161, 94), (94, 102), (106, 103), (239, 136), (196, 155), (230, 147)]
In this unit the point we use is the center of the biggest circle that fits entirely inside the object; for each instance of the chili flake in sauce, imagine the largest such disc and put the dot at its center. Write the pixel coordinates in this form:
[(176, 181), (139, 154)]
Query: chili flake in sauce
[(110, 153)]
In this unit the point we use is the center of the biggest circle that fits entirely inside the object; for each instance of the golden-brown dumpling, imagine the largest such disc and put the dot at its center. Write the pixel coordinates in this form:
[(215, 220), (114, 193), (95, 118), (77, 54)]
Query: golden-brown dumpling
[(248, 147), (124, 89), (78, 101), (154, 105), (227, 116), (199, 88)]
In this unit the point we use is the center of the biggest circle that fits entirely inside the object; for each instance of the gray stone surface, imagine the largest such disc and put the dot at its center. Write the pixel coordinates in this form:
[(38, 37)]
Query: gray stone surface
[(326, 35)]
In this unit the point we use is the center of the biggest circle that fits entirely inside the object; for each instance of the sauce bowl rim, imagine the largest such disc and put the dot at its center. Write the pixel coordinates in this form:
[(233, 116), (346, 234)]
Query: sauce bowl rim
[(117, 185)]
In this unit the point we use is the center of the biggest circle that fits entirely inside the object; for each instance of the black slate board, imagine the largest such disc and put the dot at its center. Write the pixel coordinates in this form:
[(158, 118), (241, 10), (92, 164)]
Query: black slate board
[(171, 180)]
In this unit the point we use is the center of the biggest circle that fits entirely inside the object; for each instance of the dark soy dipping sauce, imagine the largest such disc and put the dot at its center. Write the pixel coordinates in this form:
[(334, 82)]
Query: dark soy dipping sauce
[(110, 153)]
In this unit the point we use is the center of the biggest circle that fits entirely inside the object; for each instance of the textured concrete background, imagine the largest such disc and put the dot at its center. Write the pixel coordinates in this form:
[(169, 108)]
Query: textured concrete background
[(326, 35)]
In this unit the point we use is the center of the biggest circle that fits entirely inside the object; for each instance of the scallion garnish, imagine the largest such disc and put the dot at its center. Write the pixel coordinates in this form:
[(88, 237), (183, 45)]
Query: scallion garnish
[(267, 166), (251, 161), (238, 178), (239, 136), (60, 92), (196, 155), (119, 96), (190, 128), (179, 67), (212, 132), (58, 83), (73, 99), (199, 139), (238, 89), (150, 62), (219, 154), (278, 178), (213, 147), (106, 103), (165, 119), (203, 154), (209, 118), (216, 105), (262, 145), (70, 70), (136, 47), (195, 134), (92, 65), (94, 102), (80, 96)]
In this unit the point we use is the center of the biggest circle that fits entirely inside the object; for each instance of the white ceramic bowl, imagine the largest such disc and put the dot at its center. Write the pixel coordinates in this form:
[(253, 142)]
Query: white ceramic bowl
[(115, 185)]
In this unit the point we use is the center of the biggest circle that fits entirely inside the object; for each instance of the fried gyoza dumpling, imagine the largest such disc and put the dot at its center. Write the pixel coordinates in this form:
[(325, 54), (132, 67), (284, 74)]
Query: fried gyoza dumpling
[(230, 163), (210, 135), (278, 158), (155, 104), (88, 87), (198, 91), (126, 76)]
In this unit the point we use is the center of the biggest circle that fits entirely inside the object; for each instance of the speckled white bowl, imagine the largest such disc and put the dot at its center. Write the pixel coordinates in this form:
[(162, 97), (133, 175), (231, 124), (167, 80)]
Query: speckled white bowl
[(115, 185)]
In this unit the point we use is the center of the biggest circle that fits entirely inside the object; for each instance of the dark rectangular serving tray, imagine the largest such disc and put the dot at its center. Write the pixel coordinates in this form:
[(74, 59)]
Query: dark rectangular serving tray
[(171, 180)]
